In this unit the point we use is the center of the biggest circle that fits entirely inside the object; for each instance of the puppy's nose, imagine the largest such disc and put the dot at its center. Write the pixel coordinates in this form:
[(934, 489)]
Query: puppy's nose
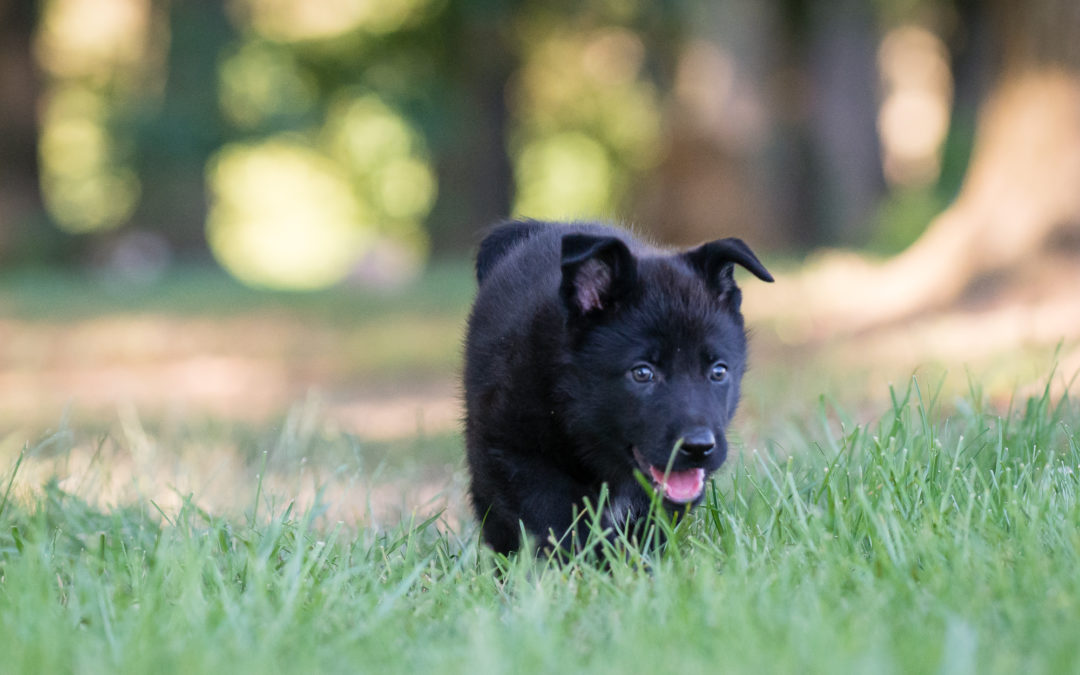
[(698, 443)]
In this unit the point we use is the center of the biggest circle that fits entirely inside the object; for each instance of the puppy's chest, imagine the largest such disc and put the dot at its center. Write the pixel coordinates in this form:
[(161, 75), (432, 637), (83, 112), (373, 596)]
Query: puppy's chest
[(621, 510)]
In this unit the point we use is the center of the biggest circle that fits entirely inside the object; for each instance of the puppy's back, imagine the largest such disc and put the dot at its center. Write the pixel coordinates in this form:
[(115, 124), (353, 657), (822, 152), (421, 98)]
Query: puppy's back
[(501, 239)]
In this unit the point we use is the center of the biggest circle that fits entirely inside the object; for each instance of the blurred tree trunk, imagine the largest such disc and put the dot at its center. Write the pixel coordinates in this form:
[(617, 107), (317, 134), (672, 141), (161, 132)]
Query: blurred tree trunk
[(1021, 189), (177, 134), (1023, 182), (773, 134), (21, 208), (472, 159), (828, 104)]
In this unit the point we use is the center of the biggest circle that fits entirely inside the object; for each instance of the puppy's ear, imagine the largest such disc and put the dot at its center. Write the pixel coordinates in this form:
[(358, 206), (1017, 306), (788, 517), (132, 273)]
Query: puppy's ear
[(715, 262), (596, 273)]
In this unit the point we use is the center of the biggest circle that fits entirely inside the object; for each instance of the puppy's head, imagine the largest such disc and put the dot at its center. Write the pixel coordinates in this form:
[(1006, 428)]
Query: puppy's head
[(657, 352)]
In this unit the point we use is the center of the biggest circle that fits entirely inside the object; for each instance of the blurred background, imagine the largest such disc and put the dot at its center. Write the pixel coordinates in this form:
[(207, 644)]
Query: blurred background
[(218, 209)]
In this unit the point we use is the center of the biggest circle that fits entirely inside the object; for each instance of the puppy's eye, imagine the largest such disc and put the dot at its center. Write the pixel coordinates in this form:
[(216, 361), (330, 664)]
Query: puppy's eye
[(642, 373), (718, 372)]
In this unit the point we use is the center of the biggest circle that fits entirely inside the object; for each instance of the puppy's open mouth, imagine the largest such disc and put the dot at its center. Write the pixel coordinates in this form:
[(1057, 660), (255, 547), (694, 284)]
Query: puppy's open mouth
[(679, 487)]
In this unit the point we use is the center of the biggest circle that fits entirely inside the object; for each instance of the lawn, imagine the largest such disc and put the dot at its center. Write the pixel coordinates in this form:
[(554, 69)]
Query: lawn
[(923, 528)]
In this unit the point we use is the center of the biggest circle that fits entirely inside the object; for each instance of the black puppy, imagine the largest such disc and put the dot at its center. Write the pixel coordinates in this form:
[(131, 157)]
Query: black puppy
[(590, 356)]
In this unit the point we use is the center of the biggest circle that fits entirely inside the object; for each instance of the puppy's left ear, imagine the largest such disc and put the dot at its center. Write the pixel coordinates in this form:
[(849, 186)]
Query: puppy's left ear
[(596, 273), (715, 262)]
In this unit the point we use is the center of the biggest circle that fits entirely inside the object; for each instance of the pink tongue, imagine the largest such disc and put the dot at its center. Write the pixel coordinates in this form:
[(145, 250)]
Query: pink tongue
[(680, 486)]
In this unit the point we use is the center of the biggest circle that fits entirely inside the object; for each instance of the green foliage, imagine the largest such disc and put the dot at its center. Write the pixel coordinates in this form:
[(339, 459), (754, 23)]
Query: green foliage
[(902, 216), (319, 135), (586, 112), (927, 542)]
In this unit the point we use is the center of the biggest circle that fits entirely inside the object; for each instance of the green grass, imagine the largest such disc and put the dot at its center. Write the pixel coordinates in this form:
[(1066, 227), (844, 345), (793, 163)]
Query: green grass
[(936, 540)]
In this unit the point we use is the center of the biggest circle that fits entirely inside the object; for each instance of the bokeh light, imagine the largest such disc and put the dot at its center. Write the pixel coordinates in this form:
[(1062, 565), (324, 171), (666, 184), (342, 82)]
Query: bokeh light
[(258, 83), (93, 38), (100, 56), (914, 114), (286, 214), (586, 121), (565, 175), (283, 215), (85, 182), (387, 161), (296, 20)]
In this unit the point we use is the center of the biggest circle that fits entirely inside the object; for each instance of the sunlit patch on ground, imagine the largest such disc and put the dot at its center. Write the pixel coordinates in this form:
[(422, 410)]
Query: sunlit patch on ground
[(385, 379), (310, 464), (1007, 332)]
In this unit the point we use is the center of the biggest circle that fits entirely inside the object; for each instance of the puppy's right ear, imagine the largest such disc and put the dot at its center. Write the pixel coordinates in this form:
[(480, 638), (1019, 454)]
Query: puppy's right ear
[(716, 260), (596, 273)]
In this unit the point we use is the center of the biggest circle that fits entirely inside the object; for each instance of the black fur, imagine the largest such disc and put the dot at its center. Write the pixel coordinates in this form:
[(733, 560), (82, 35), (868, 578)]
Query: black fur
[(590, 356), (501, 239)]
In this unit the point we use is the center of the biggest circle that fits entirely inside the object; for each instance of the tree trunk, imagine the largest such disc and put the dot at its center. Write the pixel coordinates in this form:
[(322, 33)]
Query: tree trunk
[(21, 208), (1022, 187), (472, 160)]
